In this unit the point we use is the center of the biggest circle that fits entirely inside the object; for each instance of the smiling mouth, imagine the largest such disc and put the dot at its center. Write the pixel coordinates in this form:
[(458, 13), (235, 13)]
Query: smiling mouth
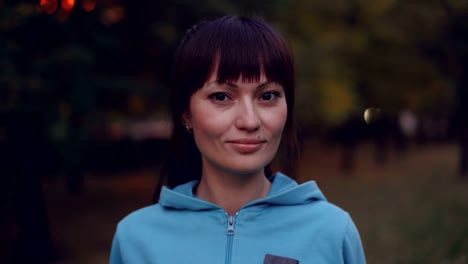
[(247, 141), (246, 146)]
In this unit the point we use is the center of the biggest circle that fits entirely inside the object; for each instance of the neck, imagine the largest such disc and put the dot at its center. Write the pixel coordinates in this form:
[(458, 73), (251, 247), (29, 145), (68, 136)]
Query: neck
[(230, 191)]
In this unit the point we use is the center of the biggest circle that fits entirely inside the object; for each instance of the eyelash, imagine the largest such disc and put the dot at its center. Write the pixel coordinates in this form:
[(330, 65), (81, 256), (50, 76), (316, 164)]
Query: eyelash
[(274, 93), (213, 96)]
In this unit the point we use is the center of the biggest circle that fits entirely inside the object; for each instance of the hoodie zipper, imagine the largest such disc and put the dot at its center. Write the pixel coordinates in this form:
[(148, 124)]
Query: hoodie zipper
[(230, 236)]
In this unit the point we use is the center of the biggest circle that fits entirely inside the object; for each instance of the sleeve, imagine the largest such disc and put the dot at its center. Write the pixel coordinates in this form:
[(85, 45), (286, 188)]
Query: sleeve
[(353, 252), (115, 255)]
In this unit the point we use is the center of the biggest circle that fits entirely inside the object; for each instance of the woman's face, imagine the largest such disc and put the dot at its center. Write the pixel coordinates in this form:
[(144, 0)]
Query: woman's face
[(237, 126)]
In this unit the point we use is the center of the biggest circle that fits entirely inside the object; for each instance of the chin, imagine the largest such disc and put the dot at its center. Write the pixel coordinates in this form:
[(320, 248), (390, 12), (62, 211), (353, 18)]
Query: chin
[(247, 168), (238, 164)]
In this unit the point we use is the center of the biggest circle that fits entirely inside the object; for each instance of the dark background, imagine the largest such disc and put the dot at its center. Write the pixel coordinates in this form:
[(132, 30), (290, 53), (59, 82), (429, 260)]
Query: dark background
[(83, 117)]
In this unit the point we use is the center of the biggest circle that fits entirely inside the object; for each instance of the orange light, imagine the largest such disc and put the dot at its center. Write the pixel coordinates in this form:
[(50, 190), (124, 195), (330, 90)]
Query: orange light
[(49, 6), (68, 5), (89, 5)]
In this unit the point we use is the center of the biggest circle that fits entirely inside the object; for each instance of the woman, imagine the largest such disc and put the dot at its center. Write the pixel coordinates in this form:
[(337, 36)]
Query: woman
[(232, 101)]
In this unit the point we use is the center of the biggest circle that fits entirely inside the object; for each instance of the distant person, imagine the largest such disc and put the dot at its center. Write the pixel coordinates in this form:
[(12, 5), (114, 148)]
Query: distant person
[(232, 102), (408, 123)]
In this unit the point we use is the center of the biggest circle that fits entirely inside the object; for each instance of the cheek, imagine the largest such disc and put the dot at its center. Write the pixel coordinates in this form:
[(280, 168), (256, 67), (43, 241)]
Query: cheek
[(284, 116), (207, 121), (276, 119)]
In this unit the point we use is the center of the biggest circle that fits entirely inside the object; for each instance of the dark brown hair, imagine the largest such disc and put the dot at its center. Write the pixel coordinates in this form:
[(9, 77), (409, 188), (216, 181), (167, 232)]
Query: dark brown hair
[(238, 46)]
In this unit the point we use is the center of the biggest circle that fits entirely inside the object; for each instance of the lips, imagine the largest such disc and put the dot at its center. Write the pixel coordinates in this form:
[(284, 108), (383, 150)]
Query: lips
[(247, 141), (246, 145)]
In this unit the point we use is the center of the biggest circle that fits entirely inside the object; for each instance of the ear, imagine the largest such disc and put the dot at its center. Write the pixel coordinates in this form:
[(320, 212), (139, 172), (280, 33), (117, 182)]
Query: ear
[(185, 119)]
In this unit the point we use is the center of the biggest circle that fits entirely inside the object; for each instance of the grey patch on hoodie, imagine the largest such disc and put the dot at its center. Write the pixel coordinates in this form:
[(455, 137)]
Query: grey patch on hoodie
[(272, 259)]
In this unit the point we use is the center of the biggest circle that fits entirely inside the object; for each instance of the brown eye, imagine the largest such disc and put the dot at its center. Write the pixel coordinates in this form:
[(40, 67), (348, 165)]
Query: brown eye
[(222, 97), (269, 96)]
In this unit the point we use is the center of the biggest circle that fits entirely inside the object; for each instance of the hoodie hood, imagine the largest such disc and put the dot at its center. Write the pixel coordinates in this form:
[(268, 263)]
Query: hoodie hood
[(283, 191)]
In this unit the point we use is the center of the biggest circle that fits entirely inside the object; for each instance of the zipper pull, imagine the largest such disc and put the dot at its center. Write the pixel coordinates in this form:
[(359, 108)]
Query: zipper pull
[(230, 229)]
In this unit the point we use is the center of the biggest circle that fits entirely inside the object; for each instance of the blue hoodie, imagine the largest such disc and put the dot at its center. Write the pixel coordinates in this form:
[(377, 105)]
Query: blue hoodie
[(293, 224)]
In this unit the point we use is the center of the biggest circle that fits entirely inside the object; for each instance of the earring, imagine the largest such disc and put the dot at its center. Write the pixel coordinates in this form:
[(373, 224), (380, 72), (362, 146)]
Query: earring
[(189, 129)]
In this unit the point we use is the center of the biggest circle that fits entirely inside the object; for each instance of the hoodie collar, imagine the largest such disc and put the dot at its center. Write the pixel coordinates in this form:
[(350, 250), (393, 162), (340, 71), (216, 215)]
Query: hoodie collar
[(283, 191)]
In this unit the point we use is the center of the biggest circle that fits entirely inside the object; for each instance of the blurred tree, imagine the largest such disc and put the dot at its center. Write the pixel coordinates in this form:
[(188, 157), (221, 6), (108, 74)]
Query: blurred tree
[(452, 44), (350, 54), (23, 110)]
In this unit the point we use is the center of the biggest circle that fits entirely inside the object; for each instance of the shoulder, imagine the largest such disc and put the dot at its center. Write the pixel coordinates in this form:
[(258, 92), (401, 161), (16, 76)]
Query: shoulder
[(140, 219), (331, 210), (326, 218), (335, 216), (339, 226)]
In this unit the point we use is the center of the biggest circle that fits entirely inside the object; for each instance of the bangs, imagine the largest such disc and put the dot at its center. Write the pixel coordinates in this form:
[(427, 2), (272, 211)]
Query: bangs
[(239, 47)]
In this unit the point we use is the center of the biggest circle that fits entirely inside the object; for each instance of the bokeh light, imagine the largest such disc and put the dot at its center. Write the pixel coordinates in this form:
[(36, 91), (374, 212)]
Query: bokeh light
[(89, 5), (68, 5), (48, 6), (372, 114)]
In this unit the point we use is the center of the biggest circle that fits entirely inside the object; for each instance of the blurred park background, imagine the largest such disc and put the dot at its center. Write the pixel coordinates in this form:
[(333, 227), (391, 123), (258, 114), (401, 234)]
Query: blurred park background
[(382, 104)]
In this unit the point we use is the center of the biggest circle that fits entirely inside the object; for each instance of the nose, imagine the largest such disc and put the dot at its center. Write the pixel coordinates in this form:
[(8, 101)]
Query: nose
[(247, 117)]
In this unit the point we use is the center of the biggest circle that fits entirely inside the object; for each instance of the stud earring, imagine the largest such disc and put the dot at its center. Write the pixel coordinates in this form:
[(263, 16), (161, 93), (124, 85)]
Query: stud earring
[(189, 129)]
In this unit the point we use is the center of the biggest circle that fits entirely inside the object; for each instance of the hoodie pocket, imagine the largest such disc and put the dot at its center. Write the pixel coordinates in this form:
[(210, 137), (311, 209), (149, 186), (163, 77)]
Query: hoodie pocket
[(272, 259)]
